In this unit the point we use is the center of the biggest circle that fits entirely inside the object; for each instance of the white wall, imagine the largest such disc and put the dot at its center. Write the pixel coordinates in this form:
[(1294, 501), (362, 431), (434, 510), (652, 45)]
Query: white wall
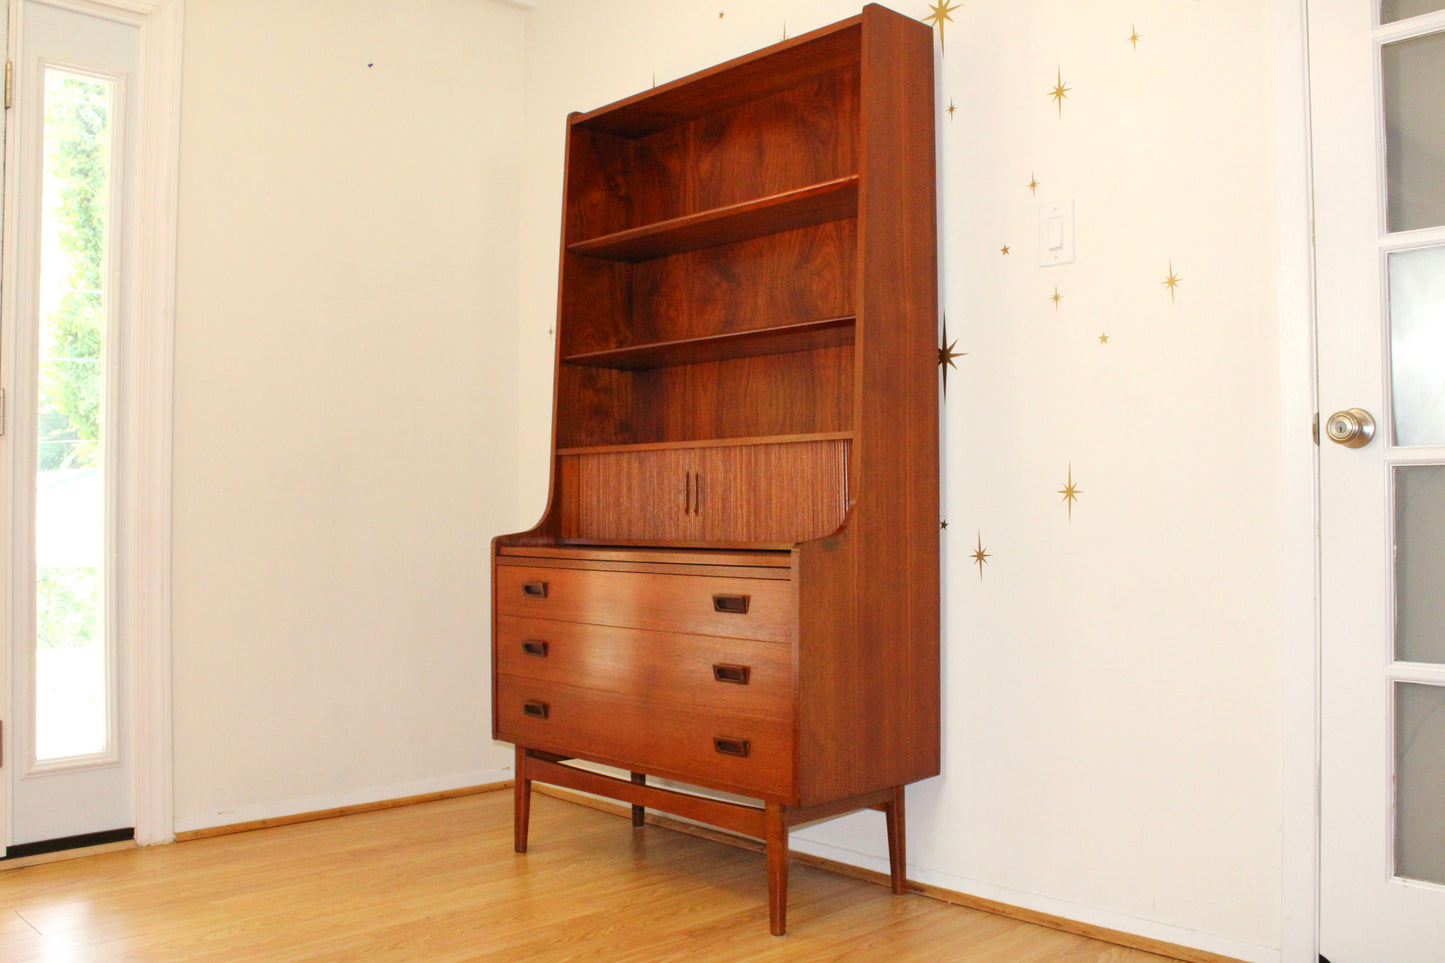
[(345, 428), (1112, 687)]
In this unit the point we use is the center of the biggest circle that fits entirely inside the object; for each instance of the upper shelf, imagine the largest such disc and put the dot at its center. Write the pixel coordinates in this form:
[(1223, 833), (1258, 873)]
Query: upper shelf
[(829, 201), (755, 75), (804, 336)]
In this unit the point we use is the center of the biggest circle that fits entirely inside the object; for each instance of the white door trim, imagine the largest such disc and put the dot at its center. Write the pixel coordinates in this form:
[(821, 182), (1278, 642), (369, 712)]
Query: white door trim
[(160, 133), (149, 370), (1299, 544)]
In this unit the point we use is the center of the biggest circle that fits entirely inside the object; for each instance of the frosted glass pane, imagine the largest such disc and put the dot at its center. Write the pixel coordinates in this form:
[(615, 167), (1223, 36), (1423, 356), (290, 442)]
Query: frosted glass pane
[(1417, 345), (1420, 781), (1420, 563), (1413, 74), (1392, 10)]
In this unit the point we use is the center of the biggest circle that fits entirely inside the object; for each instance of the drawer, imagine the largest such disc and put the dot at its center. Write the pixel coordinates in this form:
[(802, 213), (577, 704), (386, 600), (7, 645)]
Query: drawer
[(740, 608), (739, 675), (665, 740)]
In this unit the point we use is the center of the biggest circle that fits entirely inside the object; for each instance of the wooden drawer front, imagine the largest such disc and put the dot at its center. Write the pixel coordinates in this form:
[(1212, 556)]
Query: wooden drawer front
[(665, 740), (739, 675), (688, 604)]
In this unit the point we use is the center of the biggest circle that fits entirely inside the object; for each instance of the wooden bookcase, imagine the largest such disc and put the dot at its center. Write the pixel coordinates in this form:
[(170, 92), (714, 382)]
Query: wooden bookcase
[(735, 583)]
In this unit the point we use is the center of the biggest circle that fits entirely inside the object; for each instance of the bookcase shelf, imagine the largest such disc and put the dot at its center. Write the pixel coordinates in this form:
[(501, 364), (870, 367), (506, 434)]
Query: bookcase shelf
[(779, 339), (804, 207)]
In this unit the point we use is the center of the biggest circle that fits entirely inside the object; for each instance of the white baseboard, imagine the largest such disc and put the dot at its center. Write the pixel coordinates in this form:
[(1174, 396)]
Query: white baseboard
[(274, 809), (1090, 915)]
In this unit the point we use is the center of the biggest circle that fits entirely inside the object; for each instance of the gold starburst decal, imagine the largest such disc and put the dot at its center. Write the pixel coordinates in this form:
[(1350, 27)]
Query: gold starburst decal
[(1004, 249), (1033, 185), (1172, 281), (1060, 91), (1056, 297), (1134, 36), (980, 557), (1103, 339), (1070, 492), (951, 108), (942, 11), (946, 354)]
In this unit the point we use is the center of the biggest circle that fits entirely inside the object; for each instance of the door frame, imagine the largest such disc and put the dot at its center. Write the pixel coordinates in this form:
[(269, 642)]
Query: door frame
[(148, 370), (1299, 533)]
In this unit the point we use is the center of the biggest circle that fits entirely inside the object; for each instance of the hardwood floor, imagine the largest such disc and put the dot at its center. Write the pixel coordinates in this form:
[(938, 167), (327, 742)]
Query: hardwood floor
[(439, 882)]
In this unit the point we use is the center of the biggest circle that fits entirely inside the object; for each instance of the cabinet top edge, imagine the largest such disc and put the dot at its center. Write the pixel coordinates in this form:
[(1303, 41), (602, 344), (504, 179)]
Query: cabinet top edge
[(758, 74), (692, 556)]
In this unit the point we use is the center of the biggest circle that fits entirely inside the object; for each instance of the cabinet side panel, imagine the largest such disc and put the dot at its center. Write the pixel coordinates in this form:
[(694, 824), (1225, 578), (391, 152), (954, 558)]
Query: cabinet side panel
[(876, 693)]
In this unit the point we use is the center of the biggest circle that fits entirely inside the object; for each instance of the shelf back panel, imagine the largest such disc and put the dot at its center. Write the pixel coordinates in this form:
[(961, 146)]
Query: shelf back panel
[(765, 282), (790, 140), (801, 392)]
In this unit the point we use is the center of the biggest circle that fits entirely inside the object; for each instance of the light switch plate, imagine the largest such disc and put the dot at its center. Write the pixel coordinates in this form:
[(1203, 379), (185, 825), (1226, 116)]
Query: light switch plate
[(1056, 233)]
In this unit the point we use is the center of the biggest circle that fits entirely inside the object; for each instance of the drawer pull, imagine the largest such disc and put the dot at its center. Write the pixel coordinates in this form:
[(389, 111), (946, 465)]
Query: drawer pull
[(534, 590), (730, 747), (731, 604), (731, 673), (535, 647), (538, 710)]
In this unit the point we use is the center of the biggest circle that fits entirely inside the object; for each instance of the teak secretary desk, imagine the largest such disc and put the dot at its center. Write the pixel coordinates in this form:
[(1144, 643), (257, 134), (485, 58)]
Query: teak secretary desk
[(735, 584)]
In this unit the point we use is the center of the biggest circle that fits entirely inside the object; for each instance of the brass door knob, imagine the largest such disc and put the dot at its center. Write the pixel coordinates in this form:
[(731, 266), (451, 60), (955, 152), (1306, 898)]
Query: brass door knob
[(1353, 428)]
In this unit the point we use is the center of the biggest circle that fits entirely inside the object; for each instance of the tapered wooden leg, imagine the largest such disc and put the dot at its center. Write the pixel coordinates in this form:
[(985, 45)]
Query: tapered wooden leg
[(521, 802), (776, 826), (639, 813), (897, 857)]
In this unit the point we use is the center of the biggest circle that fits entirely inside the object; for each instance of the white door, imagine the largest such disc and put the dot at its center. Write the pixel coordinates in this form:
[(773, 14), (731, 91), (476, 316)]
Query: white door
[(75, 102), (1378, 125)]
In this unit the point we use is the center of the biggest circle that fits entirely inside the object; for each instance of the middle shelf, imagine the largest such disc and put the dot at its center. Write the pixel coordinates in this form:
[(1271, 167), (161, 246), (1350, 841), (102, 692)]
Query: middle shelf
[(815, 204), (778, 339)]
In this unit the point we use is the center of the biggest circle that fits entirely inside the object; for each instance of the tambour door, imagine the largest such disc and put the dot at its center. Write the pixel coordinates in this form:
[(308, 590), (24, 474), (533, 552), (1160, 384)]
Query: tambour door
[(629, 496), (772, 494)]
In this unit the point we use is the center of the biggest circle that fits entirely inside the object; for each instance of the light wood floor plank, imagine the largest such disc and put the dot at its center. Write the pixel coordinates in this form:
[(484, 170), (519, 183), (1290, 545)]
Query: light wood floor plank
[(439, 883)]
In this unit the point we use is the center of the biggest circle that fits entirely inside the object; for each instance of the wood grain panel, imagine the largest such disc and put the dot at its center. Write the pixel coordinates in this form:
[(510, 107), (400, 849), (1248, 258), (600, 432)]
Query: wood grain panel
[(772, 493), (663, 667), (760, 494), (805, 392), (869, 712), (631, 495), (747, 78), (665, 603), (640, 735), (797, 137), (758, 283)]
